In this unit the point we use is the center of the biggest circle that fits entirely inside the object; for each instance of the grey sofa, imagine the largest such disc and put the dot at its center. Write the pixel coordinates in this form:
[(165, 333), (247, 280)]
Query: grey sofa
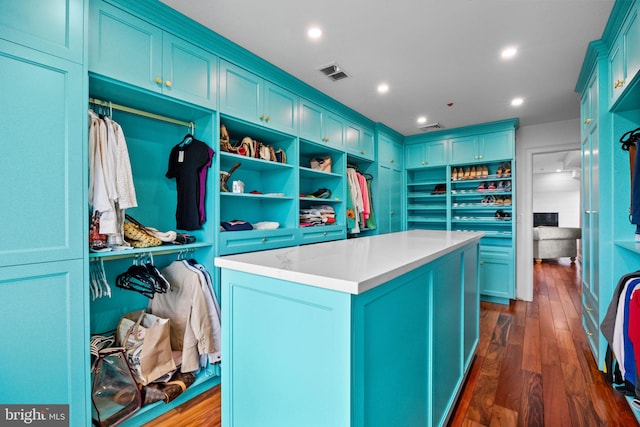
[(555, 242)]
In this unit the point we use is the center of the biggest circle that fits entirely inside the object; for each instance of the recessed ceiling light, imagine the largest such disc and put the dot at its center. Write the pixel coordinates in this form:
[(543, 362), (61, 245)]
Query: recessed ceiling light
[(383, 88), (558, 170), (509, 52), (314, 33), (517, 102), (422, 120)]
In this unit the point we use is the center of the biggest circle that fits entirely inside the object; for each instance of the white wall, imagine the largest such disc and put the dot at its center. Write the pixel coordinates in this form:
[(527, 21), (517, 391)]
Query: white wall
[(531, 140), (558, 192)]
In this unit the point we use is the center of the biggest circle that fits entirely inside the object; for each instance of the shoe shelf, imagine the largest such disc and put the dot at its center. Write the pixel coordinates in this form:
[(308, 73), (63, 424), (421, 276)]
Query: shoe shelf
[(270, 190), (427, 198)]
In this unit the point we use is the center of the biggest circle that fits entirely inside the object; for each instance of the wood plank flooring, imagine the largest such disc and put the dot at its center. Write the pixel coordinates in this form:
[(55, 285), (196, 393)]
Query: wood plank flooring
[(532, 368)]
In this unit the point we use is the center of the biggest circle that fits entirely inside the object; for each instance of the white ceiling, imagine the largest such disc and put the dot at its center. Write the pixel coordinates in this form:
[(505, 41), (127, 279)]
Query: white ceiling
[(429, 52), (561, 161)]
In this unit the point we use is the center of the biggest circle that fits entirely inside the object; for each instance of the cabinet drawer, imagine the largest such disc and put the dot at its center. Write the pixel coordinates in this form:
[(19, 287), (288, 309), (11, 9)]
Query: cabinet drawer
[(234, 242), (322, 234)]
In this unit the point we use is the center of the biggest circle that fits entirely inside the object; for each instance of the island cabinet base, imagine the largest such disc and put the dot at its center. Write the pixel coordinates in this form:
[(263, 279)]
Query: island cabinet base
[(395, 355)]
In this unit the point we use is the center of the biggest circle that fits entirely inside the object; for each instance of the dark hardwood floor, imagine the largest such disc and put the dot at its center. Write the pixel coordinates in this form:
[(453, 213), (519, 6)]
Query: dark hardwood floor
[(532, 367)]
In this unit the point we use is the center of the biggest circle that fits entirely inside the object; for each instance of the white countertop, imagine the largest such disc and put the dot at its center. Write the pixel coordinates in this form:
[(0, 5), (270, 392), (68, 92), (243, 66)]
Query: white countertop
[(351, 265)]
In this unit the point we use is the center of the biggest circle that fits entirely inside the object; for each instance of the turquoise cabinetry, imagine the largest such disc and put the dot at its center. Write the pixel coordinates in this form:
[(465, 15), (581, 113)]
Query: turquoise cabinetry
[(609, 88), (432, 153), (313, 181), (57, 289), (471, 187), (396, 354), (390, 183), (320, 125), (482, 148), (250, 97), (270, 193), (359, 141), (496, 271), (155, 59), (624, 55), (55, 27), (45, 209), (43, 127)]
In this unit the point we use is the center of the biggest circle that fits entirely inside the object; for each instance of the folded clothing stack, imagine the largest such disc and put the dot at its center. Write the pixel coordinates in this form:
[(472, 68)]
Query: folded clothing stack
[(317, 215)]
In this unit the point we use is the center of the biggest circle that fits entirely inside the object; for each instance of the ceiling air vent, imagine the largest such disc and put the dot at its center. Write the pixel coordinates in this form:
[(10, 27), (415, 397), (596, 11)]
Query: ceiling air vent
[(431, 127), (334, 72)]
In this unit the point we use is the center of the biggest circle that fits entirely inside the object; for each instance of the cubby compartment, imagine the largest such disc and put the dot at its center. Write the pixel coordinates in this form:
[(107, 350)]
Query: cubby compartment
[(427, 198), (153, 125)]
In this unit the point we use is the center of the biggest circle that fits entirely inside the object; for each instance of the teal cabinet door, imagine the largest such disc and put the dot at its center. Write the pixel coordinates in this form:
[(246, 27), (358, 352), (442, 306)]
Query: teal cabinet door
[(616, 70), (464, 150), (359, 141), (124, 47), (52, 26), (43, 178), (129, 49), (495, 146), (497, 272), (43, 313), (446, 330), (427, 154), (333, 130), (240, 92), (311, 119), (632, 43), (189, 72), (249, 97), (280, 109), (471, 305), (320, 125)]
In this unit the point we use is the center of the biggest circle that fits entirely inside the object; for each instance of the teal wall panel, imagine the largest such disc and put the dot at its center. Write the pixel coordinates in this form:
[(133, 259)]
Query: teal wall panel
[(51, 26), (269, 324), (44, 352), (42, 159)]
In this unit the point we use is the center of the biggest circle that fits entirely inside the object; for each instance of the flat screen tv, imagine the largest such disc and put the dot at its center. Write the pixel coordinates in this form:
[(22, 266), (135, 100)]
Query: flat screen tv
[(549, 219)]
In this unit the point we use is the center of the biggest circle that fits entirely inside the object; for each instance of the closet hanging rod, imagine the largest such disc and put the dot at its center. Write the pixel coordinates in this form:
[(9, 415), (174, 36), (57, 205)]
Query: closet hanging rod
[(142, 113)]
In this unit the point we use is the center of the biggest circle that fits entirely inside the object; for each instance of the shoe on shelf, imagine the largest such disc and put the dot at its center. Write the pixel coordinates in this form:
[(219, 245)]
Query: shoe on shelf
[(506, 169), (439, 189), (467, 173), (492, 200), (507, 186), (482, 186), (454, 174), (500, 186), (460, 174), (474, 173), (485, 200), (506, 216), (499, 171), (491, 186), (499, 201), (322, 193), (485, 171), (499, 214), (507, 201)]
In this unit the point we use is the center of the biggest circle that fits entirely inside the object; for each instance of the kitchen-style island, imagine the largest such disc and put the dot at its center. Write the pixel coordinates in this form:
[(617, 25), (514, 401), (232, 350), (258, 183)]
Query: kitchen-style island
[(372, 331)]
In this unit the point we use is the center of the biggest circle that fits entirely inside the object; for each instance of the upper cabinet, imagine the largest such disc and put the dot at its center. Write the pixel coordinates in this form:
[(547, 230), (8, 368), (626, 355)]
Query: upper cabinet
[(320, 125), (426, 154), (359, 141), (54, 27), (624, 55), (482, 148), (129, 49), (247, 96)]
